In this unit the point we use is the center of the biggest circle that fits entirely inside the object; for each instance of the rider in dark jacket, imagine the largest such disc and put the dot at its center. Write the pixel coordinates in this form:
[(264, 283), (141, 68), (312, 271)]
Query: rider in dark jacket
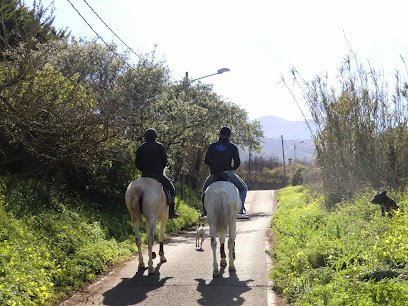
[(151, 159), (223, 157)]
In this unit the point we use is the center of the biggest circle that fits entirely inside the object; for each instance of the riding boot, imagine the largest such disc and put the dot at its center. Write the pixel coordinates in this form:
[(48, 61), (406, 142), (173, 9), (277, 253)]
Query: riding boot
[(204, 210), (172, 213)]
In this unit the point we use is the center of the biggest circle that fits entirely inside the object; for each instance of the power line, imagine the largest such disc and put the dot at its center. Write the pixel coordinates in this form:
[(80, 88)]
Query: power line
[(97, 35), (111, 29), (89, 25)]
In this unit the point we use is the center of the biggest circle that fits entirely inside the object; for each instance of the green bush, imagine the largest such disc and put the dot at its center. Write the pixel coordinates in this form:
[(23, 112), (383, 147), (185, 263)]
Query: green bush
[(349, 256)]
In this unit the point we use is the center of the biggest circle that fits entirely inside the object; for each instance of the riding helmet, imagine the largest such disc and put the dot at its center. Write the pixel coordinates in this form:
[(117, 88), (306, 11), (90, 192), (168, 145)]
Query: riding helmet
[(225, 132), (150, 134)]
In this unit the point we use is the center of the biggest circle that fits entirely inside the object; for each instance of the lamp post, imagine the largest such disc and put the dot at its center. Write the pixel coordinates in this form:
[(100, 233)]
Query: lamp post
[(294, 150), (219, 71), (283, 159), (186, 84), (249, 167)]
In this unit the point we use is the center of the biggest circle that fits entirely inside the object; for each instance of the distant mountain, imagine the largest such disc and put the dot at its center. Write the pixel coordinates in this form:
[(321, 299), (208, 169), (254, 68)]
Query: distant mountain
[(300, 150), (297, 140), (274, 127)]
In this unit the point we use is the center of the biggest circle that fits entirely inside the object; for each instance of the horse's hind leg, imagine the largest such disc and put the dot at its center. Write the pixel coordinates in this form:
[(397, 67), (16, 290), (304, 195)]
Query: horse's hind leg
[(161, 240), (214, 249), (231, 246), (136, 231), (223, 262), (231, 254), (150, 239)]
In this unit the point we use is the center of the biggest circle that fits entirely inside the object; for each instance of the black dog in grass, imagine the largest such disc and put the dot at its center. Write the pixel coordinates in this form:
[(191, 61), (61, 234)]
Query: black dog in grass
[(387, 204)]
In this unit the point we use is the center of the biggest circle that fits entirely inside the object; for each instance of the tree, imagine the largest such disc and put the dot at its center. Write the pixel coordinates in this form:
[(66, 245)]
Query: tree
[(19, 24), (190, 120)]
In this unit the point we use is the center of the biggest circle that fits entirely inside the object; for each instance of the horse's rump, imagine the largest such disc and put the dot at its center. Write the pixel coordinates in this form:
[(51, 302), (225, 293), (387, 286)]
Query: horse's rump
[(222, 202), (157, 178), (141, 195)]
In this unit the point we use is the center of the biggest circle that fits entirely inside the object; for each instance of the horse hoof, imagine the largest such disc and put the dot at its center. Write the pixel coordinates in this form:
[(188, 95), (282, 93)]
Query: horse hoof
[(151, 271), (163, 259), (215, 274), (231, 269), (141, 266), (153, 255)]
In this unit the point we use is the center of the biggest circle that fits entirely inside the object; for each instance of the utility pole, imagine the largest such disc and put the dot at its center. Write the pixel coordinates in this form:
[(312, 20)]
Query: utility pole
[(249, 167), (283, 153)]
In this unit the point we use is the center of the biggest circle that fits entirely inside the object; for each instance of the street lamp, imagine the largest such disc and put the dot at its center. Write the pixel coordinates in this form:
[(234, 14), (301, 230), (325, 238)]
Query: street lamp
[(219, 71), (186, 86), (294, 150)]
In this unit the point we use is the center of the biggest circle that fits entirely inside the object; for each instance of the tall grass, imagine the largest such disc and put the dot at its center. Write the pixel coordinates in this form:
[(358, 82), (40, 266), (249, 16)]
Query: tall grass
[(361, 128), (350, 256)]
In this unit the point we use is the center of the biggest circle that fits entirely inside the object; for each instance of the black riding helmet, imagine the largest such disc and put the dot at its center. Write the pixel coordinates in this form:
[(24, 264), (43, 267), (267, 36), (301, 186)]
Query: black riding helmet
[(225, 132), (150, 134)]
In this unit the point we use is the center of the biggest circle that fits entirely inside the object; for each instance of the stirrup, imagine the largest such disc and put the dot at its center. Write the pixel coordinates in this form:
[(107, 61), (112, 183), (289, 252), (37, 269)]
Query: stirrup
[(202, 217), (242, 216), (173, 215)]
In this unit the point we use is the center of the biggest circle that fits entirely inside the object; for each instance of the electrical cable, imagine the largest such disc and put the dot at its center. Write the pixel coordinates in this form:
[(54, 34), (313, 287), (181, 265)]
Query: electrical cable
[(97, 35), (97, 15)]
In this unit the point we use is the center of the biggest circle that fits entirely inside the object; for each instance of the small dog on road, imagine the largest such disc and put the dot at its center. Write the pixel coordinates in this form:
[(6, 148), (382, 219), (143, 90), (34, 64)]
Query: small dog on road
[(200, 235), (387, 204)]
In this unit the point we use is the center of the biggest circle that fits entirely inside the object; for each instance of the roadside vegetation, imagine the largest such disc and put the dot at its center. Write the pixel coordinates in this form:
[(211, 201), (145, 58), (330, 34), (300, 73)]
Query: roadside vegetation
[(72, 114), (351, 255), (53, 243), (332, 246)]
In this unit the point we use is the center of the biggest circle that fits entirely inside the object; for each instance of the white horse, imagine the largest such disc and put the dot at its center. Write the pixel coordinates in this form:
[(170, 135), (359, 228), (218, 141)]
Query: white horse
[(145, 196), (223, 203)]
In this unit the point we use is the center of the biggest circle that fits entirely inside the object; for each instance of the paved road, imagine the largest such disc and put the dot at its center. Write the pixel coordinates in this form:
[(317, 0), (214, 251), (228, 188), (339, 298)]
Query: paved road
[(186, 277)]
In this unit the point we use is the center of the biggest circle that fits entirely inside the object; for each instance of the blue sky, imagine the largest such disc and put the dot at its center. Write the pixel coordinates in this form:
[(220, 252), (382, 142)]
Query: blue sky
[(258, 40)]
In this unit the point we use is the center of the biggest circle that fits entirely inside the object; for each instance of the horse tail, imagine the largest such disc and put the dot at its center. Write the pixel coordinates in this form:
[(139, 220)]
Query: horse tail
[(222, 221), (134, 201)]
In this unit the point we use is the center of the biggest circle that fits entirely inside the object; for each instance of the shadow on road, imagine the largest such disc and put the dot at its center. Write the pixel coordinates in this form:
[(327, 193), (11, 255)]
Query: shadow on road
[(134, 290), (258, 215), (216, 293)]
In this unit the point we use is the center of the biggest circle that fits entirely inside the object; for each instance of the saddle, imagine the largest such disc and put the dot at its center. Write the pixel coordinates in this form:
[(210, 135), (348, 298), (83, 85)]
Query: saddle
[(221, 176), (157, 178), (218, 176)]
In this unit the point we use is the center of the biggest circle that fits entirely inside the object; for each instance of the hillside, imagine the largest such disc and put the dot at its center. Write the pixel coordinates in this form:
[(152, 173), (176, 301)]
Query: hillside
[(275, 127), (301, 150), (297, 140)]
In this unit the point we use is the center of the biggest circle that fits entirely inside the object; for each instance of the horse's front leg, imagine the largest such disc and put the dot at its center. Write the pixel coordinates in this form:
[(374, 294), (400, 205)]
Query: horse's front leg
[(223, 262), (161, 241), (136, 231), (150, 240)]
